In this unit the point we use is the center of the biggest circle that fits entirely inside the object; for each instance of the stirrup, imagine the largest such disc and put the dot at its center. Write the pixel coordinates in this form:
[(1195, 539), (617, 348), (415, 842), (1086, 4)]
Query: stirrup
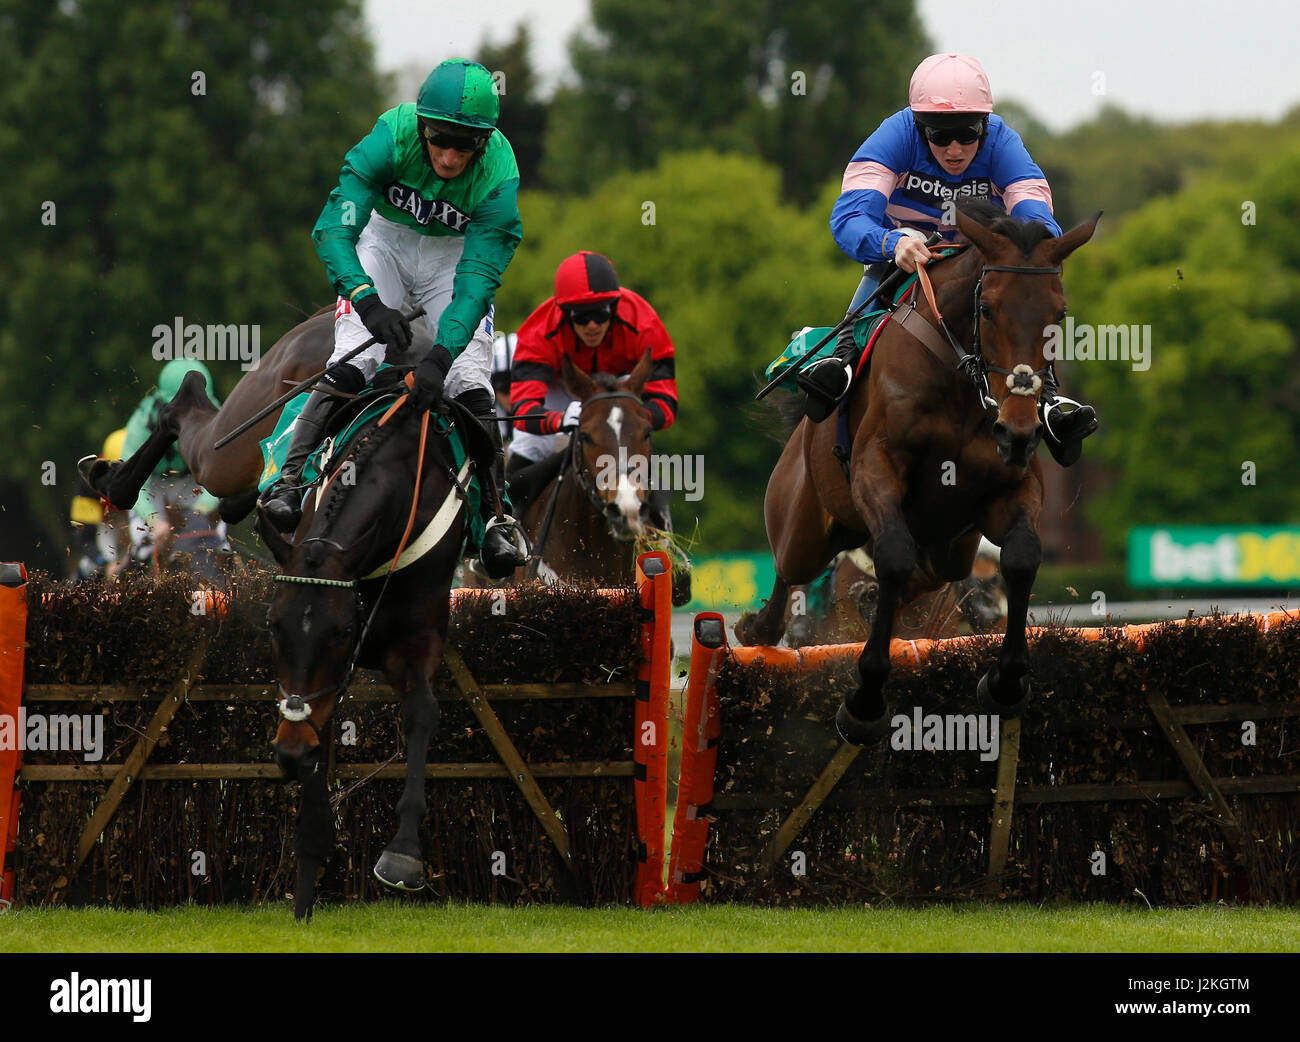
[(822, 400), (514, 533), (1065, 452), (1048, 408)]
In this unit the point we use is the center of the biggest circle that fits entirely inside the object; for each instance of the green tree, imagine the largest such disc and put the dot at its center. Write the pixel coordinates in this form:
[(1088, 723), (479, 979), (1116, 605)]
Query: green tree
[(799, 85), (161, 160), (523, 113), (1214, 272)]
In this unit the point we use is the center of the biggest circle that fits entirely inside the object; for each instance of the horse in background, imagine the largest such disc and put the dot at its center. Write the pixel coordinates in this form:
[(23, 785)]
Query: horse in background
[(595, 514)]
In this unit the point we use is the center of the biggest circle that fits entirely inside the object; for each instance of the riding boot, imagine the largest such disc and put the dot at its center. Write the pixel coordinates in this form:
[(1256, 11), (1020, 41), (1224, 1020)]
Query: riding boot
[(826, 382), (504, 547), (1064, 429), (282, 502)]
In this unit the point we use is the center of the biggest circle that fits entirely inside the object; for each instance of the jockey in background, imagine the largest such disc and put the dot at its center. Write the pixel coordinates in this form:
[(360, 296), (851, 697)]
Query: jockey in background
[(103, 535), (171, 494), (601, 328), (945, 147)]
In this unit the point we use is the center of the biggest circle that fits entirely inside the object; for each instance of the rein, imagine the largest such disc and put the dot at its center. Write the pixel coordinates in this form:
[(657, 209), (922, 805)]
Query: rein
[(1022, 380)]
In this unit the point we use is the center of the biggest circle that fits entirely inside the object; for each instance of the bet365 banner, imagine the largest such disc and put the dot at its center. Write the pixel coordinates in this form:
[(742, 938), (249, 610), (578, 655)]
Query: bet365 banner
[(1195, 555)]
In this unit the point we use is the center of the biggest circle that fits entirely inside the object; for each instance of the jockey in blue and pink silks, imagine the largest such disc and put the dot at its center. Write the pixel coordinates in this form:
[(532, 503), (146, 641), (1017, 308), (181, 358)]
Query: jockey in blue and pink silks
[(946, 147)]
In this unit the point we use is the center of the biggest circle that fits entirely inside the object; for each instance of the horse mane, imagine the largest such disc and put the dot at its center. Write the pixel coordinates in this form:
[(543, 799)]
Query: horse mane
[(359, 450), (605, 381), (1025, 234)]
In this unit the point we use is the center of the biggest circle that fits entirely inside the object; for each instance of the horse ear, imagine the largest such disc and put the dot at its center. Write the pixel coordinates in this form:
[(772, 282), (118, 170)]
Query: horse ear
[(987, 241), (1063, 245), (579, 384), (280, 547), (636, 379)]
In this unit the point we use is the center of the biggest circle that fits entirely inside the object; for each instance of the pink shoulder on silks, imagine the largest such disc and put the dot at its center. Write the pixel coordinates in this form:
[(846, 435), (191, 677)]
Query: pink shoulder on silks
[(870, 176)]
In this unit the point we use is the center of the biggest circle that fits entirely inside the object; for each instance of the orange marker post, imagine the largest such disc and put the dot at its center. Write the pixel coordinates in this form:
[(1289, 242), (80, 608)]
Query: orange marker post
[(13, 640)]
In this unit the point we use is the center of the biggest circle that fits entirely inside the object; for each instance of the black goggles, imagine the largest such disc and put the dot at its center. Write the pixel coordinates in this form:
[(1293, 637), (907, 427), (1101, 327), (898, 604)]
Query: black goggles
[(467, 142), (966, 134), (581, 316)]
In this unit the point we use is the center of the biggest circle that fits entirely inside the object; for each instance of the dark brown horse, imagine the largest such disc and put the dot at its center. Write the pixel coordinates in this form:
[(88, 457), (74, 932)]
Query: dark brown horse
[(938, 456), (336, 604), (598, 502)]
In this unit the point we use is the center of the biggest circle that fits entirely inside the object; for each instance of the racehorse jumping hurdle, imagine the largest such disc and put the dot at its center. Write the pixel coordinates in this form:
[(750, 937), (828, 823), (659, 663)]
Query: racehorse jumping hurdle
[(547, 774), (1159, 765)]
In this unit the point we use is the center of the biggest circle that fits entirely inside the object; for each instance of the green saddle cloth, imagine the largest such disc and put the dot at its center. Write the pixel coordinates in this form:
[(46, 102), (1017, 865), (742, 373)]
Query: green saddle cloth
[(276, 447), (805, 340)]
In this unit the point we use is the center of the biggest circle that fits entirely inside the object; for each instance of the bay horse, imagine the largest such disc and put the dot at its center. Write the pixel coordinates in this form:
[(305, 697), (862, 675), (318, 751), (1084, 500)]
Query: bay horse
[(335, 604), (938, 455), (584, 523)]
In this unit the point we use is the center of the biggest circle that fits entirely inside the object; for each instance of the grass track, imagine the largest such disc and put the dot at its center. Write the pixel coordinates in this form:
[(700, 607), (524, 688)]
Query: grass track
[(429, 927)]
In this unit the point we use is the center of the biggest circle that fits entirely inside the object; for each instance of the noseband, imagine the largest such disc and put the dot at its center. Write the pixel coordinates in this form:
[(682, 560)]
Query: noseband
[(1021, 380)]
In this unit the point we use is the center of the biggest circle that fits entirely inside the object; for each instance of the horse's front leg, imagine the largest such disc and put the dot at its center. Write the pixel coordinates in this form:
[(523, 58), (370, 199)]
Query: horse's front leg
[(878, 494), (313, 838), (1005, 688), (401, 866)]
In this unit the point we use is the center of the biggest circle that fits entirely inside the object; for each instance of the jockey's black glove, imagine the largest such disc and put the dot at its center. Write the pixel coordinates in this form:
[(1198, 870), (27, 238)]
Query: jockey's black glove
[(387, 325), (430, 376)]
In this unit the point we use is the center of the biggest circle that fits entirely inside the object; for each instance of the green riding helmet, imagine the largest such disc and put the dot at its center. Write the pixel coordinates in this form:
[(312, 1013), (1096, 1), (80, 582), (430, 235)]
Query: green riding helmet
[(461, 92)]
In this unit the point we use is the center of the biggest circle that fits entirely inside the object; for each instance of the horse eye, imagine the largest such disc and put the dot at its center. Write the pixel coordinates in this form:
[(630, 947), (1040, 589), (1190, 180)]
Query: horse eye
[(986, 311)]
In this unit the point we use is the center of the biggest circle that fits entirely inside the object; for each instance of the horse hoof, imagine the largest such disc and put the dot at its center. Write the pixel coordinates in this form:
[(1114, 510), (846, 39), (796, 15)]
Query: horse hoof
[(984, 692), (400, 871), (681, 589), (860, 732), (93, 469)]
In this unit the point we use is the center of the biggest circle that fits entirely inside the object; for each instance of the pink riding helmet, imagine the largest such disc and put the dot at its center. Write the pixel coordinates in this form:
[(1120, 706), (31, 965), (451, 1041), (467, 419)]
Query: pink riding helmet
[(950, 83)]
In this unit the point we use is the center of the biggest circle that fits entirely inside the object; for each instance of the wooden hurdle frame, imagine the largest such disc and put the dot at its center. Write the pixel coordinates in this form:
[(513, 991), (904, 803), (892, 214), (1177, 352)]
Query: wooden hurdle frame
[(648, 768), (702, 705)]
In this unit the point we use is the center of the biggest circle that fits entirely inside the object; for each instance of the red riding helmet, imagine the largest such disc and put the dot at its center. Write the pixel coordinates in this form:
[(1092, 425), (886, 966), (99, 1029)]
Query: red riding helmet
[(585, 278)]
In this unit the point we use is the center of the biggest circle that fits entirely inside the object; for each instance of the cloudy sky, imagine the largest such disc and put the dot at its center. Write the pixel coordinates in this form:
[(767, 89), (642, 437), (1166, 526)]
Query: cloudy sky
[(1171, 59)]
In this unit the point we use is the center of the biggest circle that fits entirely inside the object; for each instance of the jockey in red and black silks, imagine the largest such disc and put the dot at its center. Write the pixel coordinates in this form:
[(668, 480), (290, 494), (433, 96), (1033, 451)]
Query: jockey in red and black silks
[(602, 328)]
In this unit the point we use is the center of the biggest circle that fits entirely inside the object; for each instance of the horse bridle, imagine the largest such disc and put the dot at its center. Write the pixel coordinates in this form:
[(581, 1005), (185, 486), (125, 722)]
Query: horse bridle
[(1021, 380), (576, 461)]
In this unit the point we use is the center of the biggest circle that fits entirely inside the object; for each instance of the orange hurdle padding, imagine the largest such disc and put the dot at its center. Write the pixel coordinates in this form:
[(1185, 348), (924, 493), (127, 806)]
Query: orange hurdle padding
[(13, 641), (908, 654), (701, 729), (650, 742)]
